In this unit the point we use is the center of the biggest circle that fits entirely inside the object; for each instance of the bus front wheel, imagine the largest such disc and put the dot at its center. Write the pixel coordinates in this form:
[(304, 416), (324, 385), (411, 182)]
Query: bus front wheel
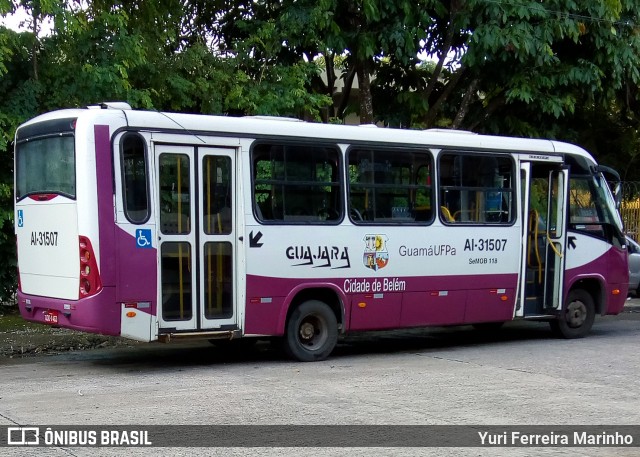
[(311, 332), (576, 317)]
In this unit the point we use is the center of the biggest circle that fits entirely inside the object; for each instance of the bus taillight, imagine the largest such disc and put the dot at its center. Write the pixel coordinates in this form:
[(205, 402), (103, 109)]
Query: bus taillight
[(90, 283)]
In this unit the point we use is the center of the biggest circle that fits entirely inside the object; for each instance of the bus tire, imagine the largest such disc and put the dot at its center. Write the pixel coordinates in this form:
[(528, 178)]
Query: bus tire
[(311, 332), (577, 316)]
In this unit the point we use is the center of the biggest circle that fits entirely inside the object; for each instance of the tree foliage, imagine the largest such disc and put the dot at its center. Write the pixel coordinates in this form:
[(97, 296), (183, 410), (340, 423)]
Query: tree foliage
[(559, 69)]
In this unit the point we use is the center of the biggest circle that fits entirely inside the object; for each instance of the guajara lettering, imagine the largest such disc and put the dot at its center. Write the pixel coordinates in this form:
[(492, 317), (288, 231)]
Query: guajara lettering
[(319, 256)]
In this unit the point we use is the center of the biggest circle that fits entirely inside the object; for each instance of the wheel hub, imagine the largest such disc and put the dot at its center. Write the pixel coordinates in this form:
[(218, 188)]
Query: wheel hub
[(576, 314), (307, 330), (313, 332)]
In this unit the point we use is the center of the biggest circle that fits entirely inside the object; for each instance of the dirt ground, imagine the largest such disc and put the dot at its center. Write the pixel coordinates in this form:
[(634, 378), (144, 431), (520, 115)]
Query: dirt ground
[(19, 338)]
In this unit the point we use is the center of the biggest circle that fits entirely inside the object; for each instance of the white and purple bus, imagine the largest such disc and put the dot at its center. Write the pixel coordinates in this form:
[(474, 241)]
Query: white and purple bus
[(159, 226)]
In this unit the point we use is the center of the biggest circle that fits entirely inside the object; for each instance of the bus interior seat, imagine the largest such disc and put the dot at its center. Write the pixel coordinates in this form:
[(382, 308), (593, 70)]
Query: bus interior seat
[(446, 214)]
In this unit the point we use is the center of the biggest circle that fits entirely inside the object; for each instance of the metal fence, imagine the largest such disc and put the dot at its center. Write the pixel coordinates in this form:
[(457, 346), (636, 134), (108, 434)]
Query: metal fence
[(630, 208)]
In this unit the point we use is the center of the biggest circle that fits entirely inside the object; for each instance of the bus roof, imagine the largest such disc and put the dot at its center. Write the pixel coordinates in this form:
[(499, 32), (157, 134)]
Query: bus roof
[(277, 127)]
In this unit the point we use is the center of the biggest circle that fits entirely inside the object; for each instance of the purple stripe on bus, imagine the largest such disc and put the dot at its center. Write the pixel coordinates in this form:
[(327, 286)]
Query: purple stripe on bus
[(104, 180), (96, 314), (136, 272), (419, 301), (379, 303)]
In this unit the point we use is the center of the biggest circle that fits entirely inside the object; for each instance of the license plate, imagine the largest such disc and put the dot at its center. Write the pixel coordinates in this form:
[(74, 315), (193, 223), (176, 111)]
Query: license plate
[(51, 317)]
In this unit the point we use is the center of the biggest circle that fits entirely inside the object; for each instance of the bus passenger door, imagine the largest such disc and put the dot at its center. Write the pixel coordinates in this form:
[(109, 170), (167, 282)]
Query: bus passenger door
[(196, 238), (544, 196), (527, 272), (175, 176), (216, 233), (556, 237)]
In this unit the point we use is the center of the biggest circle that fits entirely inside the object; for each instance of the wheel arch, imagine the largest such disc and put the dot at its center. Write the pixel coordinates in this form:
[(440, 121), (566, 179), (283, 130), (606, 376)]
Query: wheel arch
[(594, 286), (327, 293)]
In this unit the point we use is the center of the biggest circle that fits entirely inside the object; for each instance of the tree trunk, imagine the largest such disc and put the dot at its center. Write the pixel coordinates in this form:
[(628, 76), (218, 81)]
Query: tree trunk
[(464, 105), (433, 110), (493, 105), (363, 70), (346, 92), (36, 30), (331, 81), (444, 53)]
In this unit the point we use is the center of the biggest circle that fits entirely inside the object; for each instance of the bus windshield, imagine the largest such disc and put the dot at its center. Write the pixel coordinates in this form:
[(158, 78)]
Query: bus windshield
[(592, 204), (609, 203), (46, 166)]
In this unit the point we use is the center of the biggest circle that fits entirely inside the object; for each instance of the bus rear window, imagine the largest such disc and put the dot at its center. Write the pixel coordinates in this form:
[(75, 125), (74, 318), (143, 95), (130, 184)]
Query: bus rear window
[(46, 166)]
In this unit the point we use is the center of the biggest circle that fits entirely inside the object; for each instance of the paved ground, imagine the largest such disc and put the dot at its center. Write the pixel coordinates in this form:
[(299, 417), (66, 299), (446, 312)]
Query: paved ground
[(449, 376)]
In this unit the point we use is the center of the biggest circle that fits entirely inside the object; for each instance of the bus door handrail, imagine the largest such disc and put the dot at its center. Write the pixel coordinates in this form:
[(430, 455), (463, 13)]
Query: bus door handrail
[(534, 219)]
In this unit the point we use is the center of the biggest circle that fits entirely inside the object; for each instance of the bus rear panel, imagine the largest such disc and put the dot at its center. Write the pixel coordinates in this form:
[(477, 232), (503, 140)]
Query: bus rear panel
[(57, 225)]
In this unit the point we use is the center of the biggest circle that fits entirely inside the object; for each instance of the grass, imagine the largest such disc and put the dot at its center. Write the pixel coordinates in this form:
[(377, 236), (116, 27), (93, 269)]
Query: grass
[(20, 338), (12, 322)]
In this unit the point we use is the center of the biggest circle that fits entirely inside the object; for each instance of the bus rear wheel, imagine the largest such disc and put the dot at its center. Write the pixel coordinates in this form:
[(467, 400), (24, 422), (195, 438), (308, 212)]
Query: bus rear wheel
[(311, 332), (577, 316)]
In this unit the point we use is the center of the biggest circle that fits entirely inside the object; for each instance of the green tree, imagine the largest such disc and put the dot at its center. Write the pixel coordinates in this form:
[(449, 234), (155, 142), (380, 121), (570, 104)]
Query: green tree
[(355, 35), (559, 68), (146, 53), (523, 67), (547, 59), (18, 103)]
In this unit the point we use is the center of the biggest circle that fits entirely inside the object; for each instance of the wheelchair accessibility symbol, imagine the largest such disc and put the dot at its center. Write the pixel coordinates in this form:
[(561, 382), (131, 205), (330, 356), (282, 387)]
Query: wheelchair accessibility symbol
[(143, 238), (20, 218)]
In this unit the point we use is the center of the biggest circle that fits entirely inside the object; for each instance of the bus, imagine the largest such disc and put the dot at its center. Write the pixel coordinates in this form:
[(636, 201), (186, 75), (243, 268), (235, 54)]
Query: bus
[(160, 226)]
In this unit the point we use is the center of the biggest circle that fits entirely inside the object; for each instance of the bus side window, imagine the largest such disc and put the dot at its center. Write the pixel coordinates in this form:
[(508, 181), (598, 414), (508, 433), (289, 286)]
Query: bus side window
[(296, 183), (174, 193), (584, 202), (422, 195), (135, 189), (388, 186), (216, 194), (476, 189)]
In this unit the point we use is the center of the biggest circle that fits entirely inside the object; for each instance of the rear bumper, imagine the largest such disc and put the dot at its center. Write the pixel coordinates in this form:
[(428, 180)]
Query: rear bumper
[(97, 314)]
